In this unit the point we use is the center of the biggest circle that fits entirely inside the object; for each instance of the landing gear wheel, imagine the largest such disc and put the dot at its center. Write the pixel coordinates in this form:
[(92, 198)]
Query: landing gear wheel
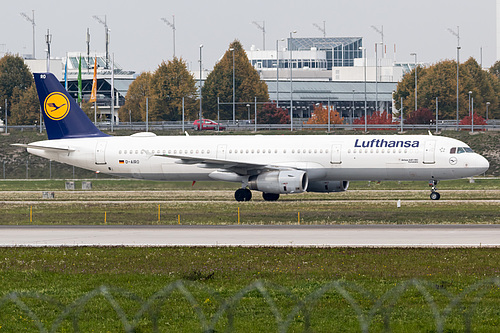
[(270, 196), (243, 194), (435, 196)]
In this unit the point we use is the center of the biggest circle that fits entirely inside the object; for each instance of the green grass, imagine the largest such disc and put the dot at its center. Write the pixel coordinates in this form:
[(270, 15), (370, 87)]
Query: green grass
[(214, 275)]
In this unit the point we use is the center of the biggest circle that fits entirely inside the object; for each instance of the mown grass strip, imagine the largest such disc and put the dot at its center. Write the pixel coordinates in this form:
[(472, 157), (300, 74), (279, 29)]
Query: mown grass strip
[(289, 275)]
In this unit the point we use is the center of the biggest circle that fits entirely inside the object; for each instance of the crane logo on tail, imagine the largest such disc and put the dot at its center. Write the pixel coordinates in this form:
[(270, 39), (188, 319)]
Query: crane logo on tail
[(56, 106)]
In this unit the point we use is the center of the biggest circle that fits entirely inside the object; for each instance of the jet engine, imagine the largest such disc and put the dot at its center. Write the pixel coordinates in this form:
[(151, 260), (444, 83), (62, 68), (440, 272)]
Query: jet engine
[(328, 186), (279, 182)]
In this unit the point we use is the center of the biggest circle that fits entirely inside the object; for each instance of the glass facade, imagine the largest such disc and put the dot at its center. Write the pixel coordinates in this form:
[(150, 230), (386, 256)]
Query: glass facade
[(285, 63), (340, 51)]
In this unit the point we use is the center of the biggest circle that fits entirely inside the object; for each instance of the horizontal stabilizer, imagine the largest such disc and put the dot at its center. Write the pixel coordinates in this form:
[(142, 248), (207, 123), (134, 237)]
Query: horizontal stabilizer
[(56, 149)]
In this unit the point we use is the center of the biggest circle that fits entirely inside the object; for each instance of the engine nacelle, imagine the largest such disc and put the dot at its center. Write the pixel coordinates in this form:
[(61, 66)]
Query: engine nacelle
[(280, 182), (328, 186)]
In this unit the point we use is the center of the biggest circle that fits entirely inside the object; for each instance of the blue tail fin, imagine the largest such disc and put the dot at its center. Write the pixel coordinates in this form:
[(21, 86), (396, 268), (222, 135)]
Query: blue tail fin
[(63, 118)]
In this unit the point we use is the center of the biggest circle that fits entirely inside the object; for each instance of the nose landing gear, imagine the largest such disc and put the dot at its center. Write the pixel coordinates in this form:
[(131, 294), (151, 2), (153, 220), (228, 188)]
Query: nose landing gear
[(434, 194)]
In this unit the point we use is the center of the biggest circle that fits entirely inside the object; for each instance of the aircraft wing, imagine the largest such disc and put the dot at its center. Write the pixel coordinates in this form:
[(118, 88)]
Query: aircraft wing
[(49, 148), (241, 168)]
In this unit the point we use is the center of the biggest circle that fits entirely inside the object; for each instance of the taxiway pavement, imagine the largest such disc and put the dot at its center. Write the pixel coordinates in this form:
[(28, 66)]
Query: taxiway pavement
[(246, 235)]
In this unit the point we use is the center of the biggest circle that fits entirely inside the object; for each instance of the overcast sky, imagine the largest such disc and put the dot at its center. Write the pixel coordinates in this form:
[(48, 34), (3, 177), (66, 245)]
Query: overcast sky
[(140, 40)]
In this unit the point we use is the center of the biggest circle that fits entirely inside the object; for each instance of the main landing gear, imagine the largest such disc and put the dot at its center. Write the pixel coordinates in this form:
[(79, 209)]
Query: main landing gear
[(243, 194), (434, 194)]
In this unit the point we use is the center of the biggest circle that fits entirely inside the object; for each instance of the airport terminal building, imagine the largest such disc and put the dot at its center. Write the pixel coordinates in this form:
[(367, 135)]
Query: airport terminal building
[(328, 70)]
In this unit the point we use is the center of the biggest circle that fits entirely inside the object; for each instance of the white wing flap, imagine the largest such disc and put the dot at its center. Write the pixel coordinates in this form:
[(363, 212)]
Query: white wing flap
[(243, 168)]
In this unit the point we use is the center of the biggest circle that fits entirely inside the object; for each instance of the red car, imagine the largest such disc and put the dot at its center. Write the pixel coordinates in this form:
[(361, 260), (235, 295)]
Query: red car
[(207, 124)]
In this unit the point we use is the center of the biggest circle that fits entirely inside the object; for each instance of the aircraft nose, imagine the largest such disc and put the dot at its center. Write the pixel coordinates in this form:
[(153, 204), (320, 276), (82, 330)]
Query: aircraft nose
[(481, 164)]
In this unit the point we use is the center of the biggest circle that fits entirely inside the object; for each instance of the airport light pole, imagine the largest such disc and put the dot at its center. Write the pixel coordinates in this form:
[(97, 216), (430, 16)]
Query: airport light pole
[(323, 30), (352, 110), (172, 25), (277, 72), (457, 34), (234, 88), (32, 20), (48, 40), (415, 55), (487, 105), (248, 108), (363, 50), (263, 28), (472, 115), (437, 113), (106, 32), (470, 93), (201, 47), (376, 75), (291, 79)]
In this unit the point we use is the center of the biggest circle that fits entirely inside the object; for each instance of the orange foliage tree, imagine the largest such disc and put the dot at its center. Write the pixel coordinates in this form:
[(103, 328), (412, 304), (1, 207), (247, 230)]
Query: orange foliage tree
[(377, 117), (320, 116)]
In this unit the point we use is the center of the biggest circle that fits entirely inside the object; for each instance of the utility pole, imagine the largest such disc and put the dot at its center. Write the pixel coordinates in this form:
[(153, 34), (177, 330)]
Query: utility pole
[(171, 25), (48, 40), (263, 28), (457, 34), (381, 32), (88, 50), (106, 31), (323, 30), (32, 20)]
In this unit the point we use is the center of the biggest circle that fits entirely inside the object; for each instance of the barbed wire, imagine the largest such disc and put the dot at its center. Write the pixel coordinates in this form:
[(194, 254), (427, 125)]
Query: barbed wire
[(150, 309)]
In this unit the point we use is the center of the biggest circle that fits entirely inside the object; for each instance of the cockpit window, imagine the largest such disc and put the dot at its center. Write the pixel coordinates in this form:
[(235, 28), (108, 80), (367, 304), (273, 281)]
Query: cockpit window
[(460, 150)]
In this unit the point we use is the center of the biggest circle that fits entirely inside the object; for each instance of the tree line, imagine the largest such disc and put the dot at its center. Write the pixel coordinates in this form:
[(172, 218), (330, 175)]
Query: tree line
[(166, 87), (440, 80)]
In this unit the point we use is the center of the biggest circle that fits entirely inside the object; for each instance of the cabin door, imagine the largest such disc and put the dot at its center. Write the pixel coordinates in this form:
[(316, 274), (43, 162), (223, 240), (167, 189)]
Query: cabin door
[(336, 157), (100, 150), (221, 152), (429, 152)]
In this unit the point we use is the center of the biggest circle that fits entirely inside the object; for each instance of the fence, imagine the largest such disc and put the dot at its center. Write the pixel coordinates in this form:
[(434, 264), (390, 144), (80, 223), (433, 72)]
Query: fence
[(149, 315)]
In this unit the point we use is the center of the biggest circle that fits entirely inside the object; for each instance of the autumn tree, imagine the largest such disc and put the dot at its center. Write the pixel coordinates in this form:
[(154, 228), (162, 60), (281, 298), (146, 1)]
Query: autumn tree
[(89, 109), (219, 83), (478, 120), (439, 80), (495, 69), (169, 84), (420, 116), (135, 101), (377, 117), (25, 109), (320, 115), (15, 80), (269, 114)]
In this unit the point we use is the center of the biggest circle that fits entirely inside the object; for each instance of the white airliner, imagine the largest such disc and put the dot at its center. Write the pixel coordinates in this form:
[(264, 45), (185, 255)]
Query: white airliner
[(274, 165)]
